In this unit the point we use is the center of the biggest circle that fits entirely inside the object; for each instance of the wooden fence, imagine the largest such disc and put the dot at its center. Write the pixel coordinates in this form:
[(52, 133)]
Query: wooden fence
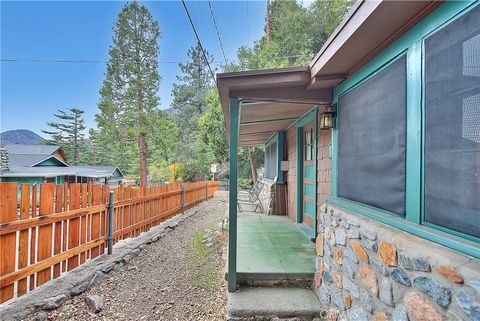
[(48, 229)]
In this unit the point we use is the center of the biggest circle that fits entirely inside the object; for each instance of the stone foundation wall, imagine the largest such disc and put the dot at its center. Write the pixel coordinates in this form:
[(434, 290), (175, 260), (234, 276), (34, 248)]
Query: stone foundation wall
[(367, 270)]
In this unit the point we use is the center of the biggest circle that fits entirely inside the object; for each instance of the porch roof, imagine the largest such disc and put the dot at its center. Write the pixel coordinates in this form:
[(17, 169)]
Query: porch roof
[(270, 100)]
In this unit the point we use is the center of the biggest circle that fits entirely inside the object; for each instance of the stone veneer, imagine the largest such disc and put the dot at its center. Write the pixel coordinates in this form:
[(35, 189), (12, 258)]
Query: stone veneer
[(367, 270)]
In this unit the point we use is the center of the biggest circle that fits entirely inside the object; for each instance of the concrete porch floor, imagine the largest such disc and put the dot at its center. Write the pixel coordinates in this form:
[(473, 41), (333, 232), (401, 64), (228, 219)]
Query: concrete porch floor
[(273, 250)]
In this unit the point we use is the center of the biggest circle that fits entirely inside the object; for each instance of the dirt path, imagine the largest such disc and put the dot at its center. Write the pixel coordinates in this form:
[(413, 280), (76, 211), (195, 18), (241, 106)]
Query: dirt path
[(177, 278)]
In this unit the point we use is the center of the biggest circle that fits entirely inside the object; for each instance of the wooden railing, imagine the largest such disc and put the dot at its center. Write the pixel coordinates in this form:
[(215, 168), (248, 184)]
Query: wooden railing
[(47, 229)]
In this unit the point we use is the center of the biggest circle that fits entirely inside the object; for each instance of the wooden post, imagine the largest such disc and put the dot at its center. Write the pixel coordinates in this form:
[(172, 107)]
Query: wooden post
[(232, 197)]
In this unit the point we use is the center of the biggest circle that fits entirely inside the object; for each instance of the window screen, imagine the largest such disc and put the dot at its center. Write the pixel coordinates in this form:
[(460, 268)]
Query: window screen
[(371, 140), (452, 125), (271, 161)]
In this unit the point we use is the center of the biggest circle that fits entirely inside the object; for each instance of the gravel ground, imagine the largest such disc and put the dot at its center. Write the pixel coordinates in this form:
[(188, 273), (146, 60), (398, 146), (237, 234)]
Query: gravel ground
[(180, 277)]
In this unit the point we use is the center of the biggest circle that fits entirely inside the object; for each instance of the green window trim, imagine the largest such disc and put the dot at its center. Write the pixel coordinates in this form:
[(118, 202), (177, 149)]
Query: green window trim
[(410, 43)]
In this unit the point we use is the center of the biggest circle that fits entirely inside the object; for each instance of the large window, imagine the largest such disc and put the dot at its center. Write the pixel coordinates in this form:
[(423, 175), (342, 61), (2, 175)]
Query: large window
[(452, 125), (371, 140), (271, 160)]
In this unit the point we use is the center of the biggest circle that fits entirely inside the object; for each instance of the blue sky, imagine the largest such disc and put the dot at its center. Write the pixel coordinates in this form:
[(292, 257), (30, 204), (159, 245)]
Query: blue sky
[(32, 91)]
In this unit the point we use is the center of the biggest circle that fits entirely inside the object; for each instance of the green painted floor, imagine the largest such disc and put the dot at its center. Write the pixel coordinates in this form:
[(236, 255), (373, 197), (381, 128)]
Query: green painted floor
[(271, 244)]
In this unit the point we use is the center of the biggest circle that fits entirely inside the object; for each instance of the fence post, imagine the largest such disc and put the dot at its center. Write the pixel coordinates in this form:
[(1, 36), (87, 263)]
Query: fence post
[(206, 192), (183, 197), (110, 223)]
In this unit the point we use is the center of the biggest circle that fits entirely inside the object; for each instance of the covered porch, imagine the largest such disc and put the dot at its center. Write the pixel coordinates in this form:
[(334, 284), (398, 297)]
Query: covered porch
[(259, 108)]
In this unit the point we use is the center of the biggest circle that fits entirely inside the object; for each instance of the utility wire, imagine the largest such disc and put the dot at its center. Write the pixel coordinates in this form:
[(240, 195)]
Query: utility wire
[(218, 33), (199, 42), (80, 61)]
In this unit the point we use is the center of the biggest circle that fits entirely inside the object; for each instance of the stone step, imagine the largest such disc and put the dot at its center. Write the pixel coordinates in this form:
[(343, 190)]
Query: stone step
[(269, 303)]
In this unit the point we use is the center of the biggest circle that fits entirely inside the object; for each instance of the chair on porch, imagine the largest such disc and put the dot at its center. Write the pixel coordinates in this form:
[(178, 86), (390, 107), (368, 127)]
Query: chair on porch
[(253, 197)]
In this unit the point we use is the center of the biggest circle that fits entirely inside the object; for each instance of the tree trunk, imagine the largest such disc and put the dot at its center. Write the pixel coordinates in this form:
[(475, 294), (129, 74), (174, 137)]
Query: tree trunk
[(142, 149), (252, 165)]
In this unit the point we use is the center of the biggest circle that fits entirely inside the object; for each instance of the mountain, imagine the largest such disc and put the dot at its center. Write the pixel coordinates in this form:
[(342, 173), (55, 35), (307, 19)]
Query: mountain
[(20, 136)]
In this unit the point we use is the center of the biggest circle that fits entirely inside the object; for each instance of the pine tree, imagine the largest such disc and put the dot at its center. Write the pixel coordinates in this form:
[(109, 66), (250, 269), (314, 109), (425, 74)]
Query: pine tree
[(190, 102), (68, 132), (129, 91)]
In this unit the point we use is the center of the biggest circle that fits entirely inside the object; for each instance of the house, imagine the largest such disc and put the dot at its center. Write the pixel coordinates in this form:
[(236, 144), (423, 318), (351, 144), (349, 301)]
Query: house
[(48, 163), (377, 145)]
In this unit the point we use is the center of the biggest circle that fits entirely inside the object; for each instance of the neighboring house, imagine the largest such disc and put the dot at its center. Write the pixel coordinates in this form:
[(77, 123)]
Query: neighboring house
[(391, 191), (48, 163)]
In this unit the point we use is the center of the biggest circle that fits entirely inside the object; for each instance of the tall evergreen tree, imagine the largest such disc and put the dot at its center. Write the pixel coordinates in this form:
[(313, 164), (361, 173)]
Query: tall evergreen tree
[(190, 102), (68, 132), (129, 92)]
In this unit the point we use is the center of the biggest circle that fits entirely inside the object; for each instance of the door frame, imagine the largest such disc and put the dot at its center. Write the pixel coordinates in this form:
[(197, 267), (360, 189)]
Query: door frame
[(310, 117)]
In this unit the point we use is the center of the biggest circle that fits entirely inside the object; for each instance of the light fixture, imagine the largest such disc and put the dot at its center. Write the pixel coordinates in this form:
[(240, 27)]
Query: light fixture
[(327, 118)]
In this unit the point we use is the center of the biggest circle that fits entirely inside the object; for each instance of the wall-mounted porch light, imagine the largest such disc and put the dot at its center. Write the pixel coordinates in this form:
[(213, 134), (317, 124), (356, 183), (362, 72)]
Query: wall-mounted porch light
[(327, 118)]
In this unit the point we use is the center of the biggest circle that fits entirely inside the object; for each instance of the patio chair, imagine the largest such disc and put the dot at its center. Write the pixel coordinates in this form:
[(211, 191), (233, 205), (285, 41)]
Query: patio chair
[(253, 197)]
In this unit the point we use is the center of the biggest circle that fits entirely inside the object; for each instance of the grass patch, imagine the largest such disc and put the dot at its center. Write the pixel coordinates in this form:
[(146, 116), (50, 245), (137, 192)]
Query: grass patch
[(204, 262)]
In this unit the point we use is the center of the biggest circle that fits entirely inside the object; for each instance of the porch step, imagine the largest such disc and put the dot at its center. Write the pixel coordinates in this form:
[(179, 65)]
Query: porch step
[(298, 280), (271, 303)]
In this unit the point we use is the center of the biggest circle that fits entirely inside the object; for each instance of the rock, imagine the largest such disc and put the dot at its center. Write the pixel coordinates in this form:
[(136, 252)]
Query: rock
[(356, 313), (94, 303), (80, 288), (341, 236), (118, 267), (449, 273), (327, 277), (419, 308), (41, 316), (351, 255), (353, 234), (353, 223), (338, 257), (400, 313), (327, 219), (378, 266), (367, 300), (344, 224), (323, 208), (417, 264), (336, 298), (380, 316), (54, 302), (108, 268), (349, 267), (327, 250), (317, 279), (474, 284), (319, 244), (209, 244), (470, 307), (433, 290), (388, 253), (330, 236), (327, 262), (337, 279), (368, 277), (347, 300), (127, 258), (350, 287), (399, 276), (369, 244), (99, 277), (368, 235), (324, 294), (359, 251), (386, 295)]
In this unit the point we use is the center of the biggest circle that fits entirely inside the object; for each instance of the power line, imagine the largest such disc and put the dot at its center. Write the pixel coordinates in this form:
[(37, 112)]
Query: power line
[(73, 61), (198, 39), (218, 33)]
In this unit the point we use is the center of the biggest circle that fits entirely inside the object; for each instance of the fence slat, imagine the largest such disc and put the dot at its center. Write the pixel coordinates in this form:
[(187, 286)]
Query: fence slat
[(58, 226), (23, 239), (45, 232), (74, 225), (8, 213), (33, 237)]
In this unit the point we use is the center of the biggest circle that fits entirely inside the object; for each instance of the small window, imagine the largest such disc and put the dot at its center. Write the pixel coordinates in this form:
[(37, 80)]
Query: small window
[(271, 161), (371, 140), (452, 125), (308, 145)]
